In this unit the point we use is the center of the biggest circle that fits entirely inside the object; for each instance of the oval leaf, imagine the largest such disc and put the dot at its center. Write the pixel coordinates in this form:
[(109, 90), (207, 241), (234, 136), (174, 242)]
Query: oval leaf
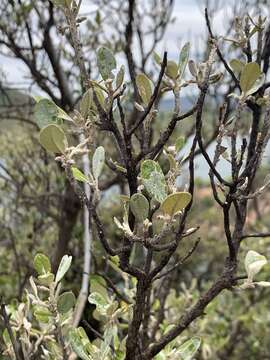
[(98, 161), (139, 206), (45, 112), (180, 143), (175, 202), (189, 348), (183, 59), (144, 88), (153, 179), (149, 166), (65, 302), (80, 343), (237, 65), (192, 68), (63, 267), (254, 263), (120, 76), (172, 69), (258, 83), (106, 62), (46, 279), (250, 73), (42, 314), (53, 139), (86, 103), (101, 303), (78, 175), (99, 285), (42, 264)]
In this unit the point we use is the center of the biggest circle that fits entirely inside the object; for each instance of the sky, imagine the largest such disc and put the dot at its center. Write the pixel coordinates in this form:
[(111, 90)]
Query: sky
[(189, 25)]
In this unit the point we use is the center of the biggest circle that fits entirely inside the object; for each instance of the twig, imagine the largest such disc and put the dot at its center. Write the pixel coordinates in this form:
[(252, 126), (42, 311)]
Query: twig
[(180, 262), (16, 347)]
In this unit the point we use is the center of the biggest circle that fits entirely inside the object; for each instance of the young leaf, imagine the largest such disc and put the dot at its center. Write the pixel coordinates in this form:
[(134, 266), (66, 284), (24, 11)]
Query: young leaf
[(99, 285), (78, 175), (189, 348), (53, 139), (254, 263), (172, 161), (120, 76), (42, 314), (139, 206), (175, 202), (80, 343), (144, 88), (101, 303), (86, 103), (63, 267), (157, 58), (183, 59), (180, 143), (46, 279), (250, 73), (42, 264), (237, 65), (192, 68), (171, 69), (98, 161), (106, 63), (65, 302)]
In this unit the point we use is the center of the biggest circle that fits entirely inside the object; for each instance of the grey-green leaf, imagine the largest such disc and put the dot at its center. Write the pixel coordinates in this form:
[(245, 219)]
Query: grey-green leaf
[(120, 76), (193, 68), (78, 175), (106, 62), (42, 264), (183, 59), (171, 69), (63, 267), (250, 73), (80, 343), (139, 206), (157, 58), (66, 302), (100, 302), (42, 314), (153, 179), (149, 166), (180, 143), (98, 161), (46, 279), (237, 65), (175, 202), (45, 112), (53, 139), (189, 348), (258, 83), (144, 88), (86, 103), (254, 263)]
